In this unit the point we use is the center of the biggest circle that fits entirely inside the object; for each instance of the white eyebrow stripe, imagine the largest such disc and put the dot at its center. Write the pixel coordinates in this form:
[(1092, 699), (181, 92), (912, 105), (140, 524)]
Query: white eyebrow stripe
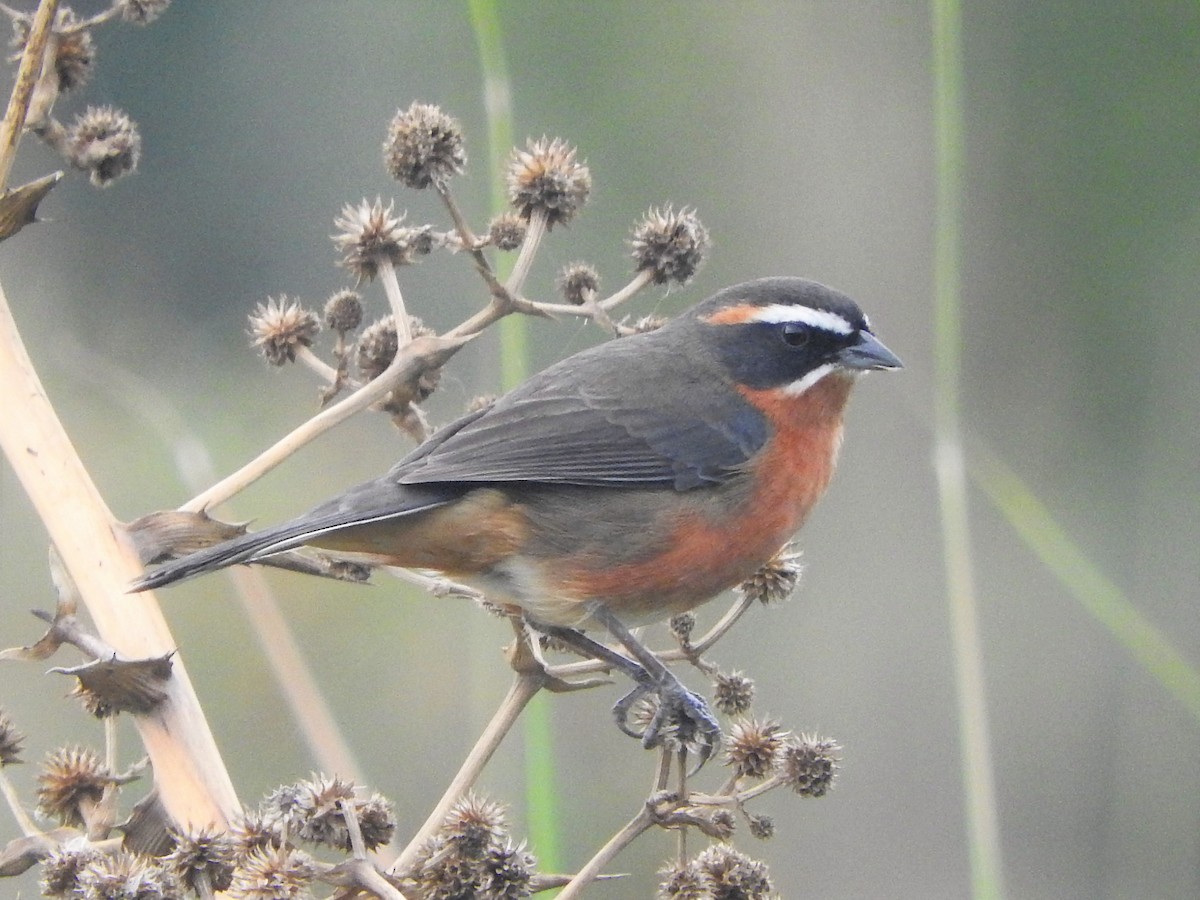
[(779, 313)]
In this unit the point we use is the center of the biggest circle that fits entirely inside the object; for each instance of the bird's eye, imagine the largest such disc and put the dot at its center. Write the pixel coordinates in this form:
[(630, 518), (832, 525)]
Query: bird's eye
[(795, 335)]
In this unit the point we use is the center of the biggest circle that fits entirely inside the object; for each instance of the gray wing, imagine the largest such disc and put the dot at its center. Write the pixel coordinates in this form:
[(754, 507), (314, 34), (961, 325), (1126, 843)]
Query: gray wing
[(600, 418)]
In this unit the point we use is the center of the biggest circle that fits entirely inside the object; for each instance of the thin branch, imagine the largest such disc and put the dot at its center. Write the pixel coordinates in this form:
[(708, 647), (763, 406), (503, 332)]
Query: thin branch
[(28, 73), (635, 828), (24, 822), (523, 689), (539, 223)]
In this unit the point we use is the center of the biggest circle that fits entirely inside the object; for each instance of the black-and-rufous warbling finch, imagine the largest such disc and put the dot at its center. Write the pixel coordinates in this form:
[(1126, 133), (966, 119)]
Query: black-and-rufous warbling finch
[(625, 484)]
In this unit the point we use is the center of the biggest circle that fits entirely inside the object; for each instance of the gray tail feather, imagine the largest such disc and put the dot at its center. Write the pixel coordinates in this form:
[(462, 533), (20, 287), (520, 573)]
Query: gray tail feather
[(240, 549)]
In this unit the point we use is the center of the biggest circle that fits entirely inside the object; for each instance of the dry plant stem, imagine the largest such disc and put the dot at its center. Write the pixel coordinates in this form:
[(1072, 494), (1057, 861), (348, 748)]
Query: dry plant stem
[(309, 707), (523, 689), (635, 828), (408, 363), (27, 77), (24, 822), (538, 222), (639, 282), (323, 370), (191, 777), (391, 287)]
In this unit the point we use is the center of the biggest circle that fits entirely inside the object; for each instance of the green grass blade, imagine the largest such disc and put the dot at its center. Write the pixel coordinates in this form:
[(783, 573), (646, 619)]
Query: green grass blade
[(541, 793), (1095, 591)]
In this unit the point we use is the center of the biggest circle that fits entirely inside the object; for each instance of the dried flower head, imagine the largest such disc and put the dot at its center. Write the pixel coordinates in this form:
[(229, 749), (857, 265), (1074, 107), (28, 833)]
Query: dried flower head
[(480, 402), (314, 812), (256, 831), (578, 283), (371, 234), (474, 824), (10, 741), (141, 12), (202, 860), (280, 327), (274, 873), (545, 177), (762, 827), (753, 747), (505, 872), (733, 693), (343, 311), (60, 870), (809, 765), (777, 578), (424, 146), (733, 874), (507, 231), (682, 625), (124, 876), (669, 244), (721, 824), (71, 46), (104, 142), (72, 780), (684, 881)]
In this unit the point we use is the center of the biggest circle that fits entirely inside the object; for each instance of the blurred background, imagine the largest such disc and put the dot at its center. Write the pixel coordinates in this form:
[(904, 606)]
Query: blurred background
[(803, 134)]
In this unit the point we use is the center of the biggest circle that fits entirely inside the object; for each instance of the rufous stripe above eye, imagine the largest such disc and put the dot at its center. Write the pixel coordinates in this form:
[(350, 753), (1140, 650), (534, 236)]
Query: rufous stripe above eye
[(780, 313)]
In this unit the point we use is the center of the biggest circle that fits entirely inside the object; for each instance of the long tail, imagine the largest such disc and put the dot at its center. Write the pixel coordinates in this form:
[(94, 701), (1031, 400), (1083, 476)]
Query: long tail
[(370, 502)]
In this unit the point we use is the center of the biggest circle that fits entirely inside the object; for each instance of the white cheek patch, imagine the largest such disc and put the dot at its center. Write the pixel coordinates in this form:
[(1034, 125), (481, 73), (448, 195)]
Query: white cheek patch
[(800, 385), (779, 313)]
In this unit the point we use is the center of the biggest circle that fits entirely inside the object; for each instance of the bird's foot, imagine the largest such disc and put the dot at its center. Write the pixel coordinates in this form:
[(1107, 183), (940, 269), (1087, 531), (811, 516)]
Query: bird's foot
[(680, 719)]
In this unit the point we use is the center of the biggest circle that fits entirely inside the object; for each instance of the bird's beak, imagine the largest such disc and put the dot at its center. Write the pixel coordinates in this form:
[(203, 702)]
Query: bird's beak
[(868, 353)]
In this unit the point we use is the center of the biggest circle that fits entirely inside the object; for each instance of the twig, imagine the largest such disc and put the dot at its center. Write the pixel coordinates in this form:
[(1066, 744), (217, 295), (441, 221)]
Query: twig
[(636, 827), (523, 689), (412, 359), (24, 822), (27, 77), (539, 221)]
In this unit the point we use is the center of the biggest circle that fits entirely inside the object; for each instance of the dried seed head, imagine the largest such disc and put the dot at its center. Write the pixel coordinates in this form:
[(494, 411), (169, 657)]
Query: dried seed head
[(141, 12), (547, 178), (734, 874), (60, 870), (474, 824), (670, 244), (762, 827), (280, 327), (682, 626), (343, 311), (734, 692), (202, 856), (753, 747), (314, 811), (371, 233), (777, 578), (256, 831), (72, 780), (123, 876), (10, 741), (684, 881), (377, 347), (71, 47), (505, 872), (809, 764), (723, 824), (274, 873), (578, 283), (507, 231), (104, 142), (424, 146)]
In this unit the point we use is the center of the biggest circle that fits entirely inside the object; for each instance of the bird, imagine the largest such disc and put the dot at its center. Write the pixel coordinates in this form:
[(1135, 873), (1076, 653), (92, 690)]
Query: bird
[(625, 484)]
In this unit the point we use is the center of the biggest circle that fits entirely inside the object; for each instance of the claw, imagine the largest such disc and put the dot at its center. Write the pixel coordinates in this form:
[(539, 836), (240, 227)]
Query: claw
[(682, 717)]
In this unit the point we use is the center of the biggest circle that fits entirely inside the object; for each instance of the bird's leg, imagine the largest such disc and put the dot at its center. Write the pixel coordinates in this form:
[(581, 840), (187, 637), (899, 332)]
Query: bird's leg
[(679, 709)]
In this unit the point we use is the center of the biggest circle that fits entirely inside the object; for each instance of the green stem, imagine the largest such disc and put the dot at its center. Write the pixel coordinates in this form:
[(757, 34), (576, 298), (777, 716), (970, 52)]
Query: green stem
[(541, 794), (977, 771)]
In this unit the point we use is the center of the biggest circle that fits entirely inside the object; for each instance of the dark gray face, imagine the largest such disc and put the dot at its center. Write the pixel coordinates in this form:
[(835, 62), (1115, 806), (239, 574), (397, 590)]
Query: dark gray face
[(788, 333)]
